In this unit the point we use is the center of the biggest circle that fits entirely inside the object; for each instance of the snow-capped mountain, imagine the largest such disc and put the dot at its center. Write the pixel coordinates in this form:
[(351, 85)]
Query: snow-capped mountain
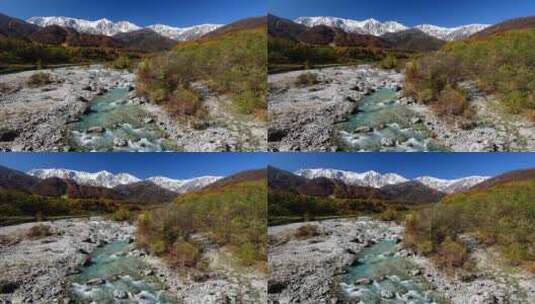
[(367, 179), (453, 33), (378, 180), (110, 28), (97, 27), (98, 179), (185, 185), (368, 26), (185, 33), (453, 185), (378, 28), (110, 180)]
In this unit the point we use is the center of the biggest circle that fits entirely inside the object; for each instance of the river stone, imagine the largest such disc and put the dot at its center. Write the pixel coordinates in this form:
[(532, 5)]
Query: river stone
[(95, 281), (416, 120), (120, 294), (363, 281), (119, 142), (96, 130), (363, 129), (387, 142), (387, 294)]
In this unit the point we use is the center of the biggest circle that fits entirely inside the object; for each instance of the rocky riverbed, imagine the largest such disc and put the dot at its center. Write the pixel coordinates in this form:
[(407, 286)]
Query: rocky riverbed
[(351, 261), (315, 117), (36, 270), (45, 117), (85, 260), (311, 270)]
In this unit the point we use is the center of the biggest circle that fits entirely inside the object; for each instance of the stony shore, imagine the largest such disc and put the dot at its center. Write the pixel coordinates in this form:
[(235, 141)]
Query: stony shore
[(310, 270), (37, 270), (37, 118), (222, 282), (303, 118), (223, 130)]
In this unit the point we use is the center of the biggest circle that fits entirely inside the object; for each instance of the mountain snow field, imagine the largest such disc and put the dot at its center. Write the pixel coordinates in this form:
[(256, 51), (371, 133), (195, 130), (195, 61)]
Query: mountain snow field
[(378, 180), (109, 180), (109, 28), (377, 28)]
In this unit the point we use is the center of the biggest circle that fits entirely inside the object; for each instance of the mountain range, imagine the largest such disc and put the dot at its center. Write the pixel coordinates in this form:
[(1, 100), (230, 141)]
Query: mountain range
[(109, 28), (376, 28), (109, 180), (377, 180), (368, 186)]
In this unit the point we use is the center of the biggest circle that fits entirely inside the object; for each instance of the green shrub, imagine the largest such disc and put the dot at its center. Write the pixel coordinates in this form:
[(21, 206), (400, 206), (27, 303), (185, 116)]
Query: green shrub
[(234, 64), (501, 64), (248, 102), (183, 102), (184, 254), (248, 254), (502, 216), (517, 101), (389, 62), (451, 254), (39, 231), (307, 79), (451, 101), (122, 214), (39, 79), (158, 247), (233, 216), (307, 231), (123, 62)]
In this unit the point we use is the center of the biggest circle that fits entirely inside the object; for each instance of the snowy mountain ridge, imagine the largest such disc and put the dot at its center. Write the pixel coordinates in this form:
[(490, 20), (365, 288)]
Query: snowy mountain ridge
[(378, 180), (110, 180), (377, 28), (110, 28)]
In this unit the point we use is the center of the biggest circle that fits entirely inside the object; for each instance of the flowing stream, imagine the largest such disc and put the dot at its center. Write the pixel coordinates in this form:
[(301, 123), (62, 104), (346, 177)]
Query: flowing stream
[(378, 276), (116, 277), (113, 123), (383, 124)]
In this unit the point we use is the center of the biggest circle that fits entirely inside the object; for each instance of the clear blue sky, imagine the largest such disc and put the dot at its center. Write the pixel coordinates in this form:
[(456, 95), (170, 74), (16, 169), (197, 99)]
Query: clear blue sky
[(140, 12), (408, 12), (410, 165), (142, 165)]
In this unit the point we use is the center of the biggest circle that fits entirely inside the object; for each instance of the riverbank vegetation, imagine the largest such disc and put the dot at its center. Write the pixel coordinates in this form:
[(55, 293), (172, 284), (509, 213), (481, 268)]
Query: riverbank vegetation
[(286, 53), (18, 207), (17, 53), (233, 64), (233, 216), (501, 64), (286, 207), (502, 216)]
